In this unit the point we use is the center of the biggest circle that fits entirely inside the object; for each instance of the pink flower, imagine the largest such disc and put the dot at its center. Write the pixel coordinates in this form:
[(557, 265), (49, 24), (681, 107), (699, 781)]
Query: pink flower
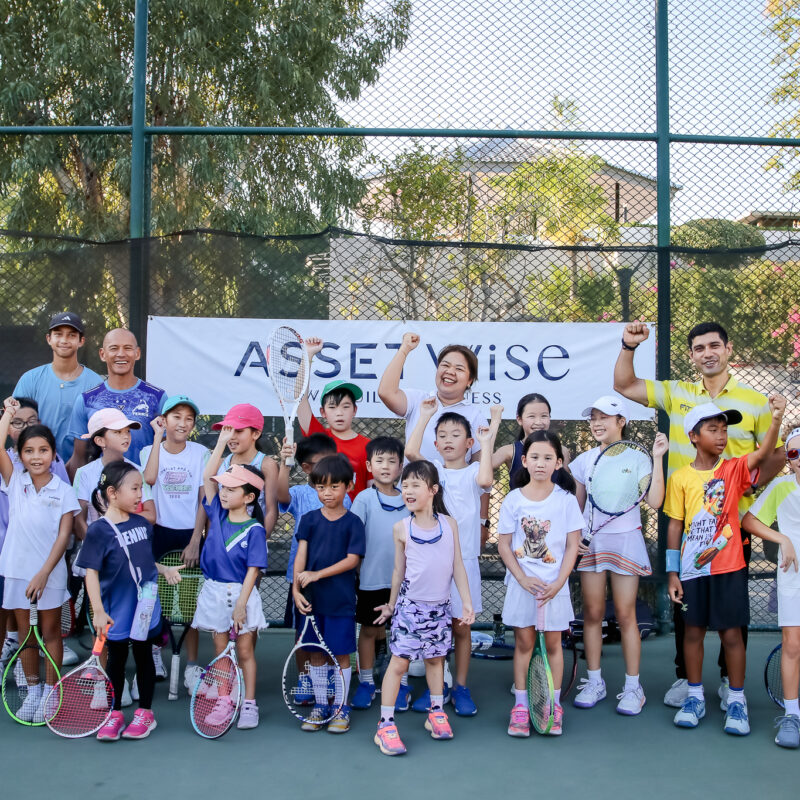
[(673, 264), (652, 288), (778, 270), (797, 346), (794, 317)]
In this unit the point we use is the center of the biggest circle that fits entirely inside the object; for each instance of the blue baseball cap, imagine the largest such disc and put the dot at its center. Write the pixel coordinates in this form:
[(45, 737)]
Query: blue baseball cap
[(179, 400)]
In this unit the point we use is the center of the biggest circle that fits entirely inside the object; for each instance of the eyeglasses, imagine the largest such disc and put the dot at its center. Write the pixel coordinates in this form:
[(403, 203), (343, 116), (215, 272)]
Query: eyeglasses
[(20, 424), (790, 454), (386, 506), (426, 541)]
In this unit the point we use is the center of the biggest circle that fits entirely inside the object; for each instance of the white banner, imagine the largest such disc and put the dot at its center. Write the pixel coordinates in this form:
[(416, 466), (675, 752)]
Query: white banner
[(220, 362)]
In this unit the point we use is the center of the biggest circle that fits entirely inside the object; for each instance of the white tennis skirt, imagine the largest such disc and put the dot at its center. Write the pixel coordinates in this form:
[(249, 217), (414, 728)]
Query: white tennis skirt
[(520, 608), (14, 595), (624, 553), (215, 608), (473, 570)]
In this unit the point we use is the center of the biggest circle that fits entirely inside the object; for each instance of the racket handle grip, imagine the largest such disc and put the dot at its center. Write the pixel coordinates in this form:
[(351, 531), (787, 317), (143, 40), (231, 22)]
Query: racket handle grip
[(290, 441), (174, 676)]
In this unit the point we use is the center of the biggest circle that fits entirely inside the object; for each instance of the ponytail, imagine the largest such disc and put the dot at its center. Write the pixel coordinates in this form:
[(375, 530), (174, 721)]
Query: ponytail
[(112, 476), (258, 512), (427, 472), (561, 477)]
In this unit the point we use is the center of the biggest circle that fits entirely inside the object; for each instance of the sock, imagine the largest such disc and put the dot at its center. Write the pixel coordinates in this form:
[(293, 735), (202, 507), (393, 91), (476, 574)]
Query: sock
[(521, 697), (249, 702), (696, 690), (365, 676), (792, 706), (404, 679), (319, 682), (387, 713), (347, 674), (594, 676), (736, 695), (631, 681), (13, 635), (557, 696), (437, 701)]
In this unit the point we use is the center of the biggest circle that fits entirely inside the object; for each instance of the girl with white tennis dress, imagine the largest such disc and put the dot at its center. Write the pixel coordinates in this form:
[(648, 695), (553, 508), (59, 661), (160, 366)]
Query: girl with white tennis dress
[(618, 549)]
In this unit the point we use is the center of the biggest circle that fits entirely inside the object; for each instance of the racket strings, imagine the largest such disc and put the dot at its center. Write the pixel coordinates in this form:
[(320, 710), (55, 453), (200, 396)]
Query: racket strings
[(539, 697), (312, 680), (80, 703), (179, 600), (773, 677), (217, 697), (28, 678), (620, 478), (287, 364)]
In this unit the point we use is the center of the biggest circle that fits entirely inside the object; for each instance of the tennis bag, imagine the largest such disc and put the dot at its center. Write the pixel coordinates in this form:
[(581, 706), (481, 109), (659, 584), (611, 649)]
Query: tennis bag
[(610, 627)]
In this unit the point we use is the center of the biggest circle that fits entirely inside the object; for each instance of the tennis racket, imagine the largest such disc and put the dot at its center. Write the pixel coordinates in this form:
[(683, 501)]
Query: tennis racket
[(541, 692), (178, 604), (310, 671), (492, 646), (569, 647), (82, 701), (68, 618), (287, 363), (772, 676), (618, 481), (29, 676), (218, 695)]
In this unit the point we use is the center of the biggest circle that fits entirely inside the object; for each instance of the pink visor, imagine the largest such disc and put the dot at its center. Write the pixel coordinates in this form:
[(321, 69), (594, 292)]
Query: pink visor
[(237, 475)]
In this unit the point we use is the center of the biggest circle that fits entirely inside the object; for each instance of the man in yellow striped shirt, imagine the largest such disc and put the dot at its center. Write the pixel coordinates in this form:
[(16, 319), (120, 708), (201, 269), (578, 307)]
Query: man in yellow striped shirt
[(709, 351)]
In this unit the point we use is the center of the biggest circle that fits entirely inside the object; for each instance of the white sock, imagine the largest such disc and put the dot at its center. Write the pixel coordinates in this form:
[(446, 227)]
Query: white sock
[(696, 690), (521, 697), (347, 674), (404, 679), (792, 706), (365, 676), (557, 696), (13, 635), (437, 701), (736, 696), (387, 713), (631, 681), (594, 676), (319, 682)]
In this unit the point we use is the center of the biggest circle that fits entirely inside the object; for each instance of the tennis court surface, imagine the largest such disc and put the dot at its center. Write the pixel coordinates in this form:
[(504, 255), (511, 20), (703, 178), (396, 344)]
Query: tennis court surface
[(601, 753)]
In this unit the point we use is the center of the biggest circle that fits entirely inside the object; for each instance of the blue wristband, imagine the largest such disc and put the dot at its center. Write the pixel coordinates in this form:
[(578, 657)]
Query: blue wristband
[(673, 561)]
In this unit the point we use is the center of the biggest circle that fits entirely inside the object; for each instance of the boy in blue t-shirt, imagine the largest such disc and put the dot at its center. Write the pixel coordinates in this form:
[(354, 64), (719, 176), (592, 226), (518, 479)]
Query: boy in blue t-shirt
[(331, 544)]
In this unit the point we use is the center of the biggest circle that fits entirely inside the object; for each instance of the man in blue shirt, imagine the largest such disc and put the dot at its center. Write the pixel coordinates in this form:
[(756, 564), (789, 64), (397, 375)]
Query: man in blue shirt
[(136, 398), (56, 385)]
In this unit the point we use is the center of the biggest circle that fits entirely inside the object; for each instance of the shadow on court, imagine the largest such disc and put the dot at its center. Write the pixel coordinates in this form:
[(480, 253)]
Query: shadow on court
[(600, 752)]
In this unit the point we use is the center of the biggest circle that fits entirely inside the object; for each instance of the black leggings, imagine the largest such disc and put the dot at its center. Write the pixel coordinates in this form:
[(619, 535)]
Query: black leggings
[(145, 670)]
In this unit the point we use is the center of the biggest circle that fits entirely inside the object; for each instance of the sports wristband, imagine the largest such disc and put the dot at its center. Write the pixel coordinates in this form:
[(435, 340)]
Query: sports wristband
[(673, 560), (626, 346)]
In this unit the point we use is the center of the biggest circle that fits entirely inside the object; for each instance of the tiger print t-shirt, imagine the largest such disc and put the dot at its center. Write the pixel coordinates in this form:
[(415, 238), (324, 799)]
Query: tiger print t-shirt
[(539, 531)]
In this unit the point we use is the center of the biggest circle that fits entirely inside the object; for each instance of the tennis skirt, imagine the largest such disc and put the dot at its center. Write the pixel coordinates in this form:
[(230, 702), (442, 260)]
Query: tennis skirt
[(14, 595), (420, 630), (520, 608), (624, 553), (473, 569), (215, 608)]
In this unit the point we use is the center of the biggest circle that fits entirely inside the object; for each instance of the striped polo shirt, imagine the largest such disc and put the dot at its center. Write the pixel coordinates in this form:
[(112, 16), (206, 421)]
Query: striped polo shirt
[(678, 398)]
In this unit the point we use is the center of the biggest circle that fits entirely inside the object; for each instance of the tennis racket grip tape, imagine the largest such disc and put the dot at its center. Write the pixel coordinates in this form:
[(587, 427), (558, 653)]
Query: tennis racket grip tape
[(174, 676), (290, 441)]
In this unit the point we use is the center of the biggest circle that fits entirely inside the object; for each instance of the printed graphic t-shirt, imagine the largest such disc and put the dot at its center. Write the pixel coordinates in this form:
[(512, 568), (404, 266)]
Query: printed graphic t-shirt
[(356, 451)]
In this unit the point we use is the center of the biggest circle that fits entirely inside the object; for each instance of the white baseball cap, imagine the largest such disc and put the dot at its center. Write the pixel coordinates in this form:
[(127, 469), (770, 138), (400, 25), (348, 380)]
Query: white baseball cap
[(608, 404), (110, 418), (709, 411)]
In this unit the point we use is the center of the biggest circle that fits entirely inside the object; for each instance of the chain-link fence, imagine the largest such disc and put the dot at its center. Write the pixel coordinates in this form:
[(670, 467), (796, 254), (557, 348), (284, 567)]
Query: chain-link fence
[(503, 160)]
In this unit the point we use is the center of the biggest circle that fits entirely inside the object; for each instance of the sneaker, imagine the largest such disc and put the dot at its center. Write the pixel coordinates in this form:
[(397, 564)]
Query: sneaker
[(590, 693), (70, 657), (134, 689), (558, 721), (736, 722), (158, 663), (724, 688), (677, 693), (30, 705), (220, 715), (520, 723), (48, 705), (248, 716), (692, 711), (142, 724), (304, 693), (416, 669), (631, 701), (191, 675), (127, 700), (99, 697), (788, 731), (462, 702), (316, 719), (341, 721), (387, 738), (423, 703), (364, 695), (331, 685), (448, 678), (403, 702), (10, 647), (439, 726), (112, 730)]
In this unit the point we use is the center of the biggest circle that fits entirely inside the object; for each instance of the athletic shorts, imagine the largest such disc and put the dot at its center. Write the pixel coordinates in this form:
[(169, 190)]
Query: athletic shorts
[(420, 630), (215, 606), (292, 618), (366, 601), (339, 633), (717, 602), (166, 539)]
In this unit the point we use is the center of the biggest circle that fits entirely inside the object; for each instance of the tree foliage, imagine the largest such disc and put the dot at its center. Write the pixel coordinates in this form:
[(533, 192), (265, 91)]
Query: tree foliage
[(719, 234)]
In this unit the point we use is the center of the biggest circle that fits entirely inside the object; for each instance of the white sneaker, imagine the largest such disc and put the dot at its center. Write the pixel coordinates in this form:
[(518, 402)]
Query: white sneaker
[(44, 706), (19, 674), (724, 687), (448, 678), (736, 721), (677, 693), (158, 663), (191, 675), (134, 689), (30, 705), (9, 648), (127, 700), (70, 657), (99, 696), (416, 669), (590, 693), (631, 701)]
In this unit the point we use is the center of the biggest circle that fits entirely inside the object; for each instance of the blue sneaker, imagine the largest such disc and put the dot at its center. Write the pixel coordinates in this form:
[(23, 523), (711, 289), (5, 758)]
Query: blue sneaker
[(423, 703), (403, 701), (691, 712), (788, 731), (304, 693), (462, 702), (331, 685), (736, 722), (364, 695)]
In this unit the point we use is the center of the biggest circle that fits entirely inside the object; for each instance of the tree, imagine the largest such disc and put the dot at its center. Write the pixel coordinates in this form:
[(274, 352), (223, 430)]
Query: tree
[(255, 62), (719, 234)]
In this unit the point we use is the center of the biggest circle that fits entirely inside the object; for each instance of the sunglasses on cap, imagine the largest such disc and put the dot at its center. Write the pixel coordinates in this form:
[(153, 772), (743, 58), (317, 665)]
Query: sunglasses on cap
[(792, 454)]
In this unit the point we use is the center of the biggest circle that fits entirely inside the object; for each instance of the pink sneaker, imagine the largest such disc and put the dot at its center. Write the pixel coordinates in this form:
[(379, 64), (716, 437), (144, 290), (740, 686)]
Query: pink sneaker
[(143, 722), (558, 717), (112, 730), (388, 739), (438, 725), (520, 723), (221, 714)]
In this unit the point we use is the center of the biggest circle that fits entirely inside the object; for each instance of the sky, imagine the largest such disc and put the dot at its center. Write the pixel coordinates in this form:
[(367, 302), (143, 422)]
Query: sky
[(498, 63)]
